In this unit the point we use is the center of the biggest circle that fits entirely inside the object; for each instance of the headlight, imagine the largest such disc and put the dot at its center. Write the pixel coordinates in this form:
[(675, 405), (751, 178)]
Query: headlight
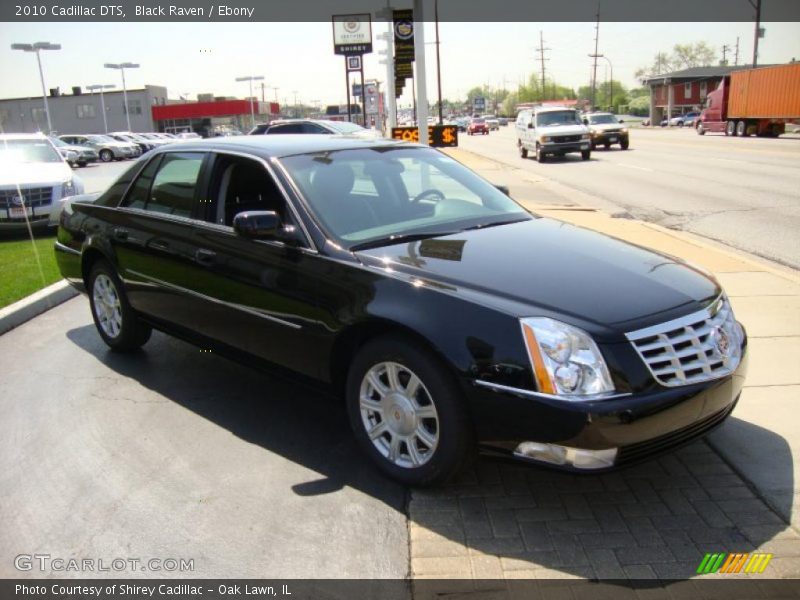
[(68, 188), (565, 360), (624, 130), (544, 139), (586, 136)]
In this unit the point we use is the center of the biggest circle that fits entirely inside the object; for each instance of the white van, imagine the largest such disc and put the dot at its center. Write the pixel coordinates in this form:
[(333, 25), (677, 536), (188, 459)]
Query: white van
[(552, 130)]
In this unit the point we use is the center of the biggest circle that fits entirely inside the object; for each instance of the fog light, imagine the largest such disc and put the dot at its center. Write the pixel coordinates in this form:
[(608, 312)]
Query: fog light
[(579, 458)]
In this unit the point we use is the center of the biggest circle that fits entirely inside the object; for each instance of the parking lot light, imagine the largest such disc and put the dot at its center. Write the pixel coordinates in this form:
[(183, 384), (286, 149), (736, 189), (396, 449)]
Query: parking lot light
[(251, 79), (101, 87), (36, 47), (122, 67)]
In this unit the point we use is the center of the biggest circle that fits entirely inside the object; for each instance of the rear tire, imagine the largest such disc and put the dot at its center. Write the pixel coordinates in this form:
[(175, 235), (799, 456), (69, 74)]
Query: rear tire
[(730, 128), (116, 322), (421, 436), (741, 129), (106, 155), (523, 151)]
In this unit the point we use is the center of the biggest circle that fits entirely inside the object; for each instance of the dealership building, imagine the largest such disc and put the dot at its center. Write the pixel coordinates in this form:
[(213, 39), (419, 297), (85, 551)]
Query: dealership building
[(149, 110)]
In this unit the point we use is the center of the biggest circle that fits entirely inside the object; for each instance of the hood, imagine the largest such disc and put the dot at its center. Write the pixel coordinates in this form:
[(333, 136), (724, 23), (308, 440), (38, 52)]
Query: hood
[(34, 173), (606, 126), (561, 129), (544, 267), (80, 149)]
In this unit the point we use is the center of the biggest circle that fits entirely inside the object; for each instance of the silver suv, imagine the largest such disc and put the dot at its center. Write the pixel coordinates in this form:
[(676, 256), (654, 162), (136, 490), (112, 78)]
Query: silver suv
[(552, 131)]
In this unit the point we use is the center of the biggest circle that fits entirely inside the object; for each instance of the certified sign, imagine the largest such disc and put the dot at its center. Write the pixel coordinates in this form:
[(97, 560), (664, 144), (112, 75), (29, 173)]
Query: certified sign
[(352, 34)]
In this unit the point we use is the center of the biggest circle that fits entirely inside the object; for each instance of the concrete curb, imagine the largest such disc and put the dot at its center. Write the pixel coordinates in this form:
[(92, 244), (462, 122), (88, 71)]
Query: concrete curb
[(32, 306)]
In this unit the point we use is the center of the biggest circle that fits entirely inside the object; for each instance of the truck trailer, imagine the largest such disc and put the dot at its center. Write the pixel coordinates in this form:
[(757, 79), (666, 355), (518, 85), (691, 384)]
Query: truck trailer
[(756, 101)]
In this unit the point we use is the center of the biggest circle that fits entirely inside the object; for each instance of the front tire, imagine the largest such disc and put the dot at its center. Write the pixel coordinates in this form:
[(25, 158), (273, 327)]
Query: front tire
[(624, 144), (586, 154), (106, 155), (540, 156), (730, 128), (407, 412), (116, 322), (700, 129)]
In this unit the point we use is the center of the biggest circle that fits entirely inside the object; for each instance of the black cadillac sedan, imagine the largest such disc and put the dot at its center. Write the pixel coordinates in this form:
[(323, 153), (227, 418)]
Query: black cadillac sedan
[(447, 316)]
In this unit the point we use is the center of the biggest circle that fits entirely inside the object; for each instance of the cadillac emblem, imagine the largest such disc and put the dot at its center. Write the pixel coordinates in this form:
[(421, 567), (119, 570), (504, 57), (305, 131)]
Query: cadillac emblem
[(352, 26), (721, 341), (17, 200)]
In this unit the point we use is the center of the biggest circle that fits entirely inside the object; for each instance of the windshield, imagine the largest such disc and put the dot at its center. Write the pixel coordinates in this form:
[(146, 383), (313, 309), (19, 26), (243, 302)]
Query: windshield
[(28, 151), (345, 127), (103, 139), (598, 119), (373, 194), (557, 117), (59, 143)]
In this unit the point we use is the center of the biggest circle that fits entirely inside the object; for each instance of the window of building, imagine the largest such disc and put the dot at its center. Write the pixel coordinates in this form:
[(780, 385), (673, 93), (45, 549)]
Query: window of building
[(85, 111), (703, 89), (4, 116), (134, 107), (39, 116), (687, 90)]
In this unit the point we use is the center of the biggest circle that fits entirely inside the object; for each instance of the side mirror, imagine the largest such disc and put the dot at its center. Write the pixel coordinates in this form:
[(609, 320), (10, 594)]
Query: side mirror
[(622, 120), (504, 189), (586, 121), (263, 225), (530, 125)]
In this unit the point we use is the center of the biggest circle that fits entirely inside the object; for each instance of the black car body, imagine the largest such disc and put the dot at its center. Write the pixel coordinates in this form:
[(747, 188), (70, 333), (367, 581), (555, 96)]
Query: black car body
[(237, 251)]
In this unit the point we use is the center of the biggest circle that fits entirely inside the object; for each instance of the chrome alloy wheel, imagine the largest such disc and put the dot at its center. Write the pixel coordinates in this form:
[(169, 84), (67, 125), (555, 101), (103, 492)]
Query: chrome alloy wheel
[(107, 305), (399, 415)]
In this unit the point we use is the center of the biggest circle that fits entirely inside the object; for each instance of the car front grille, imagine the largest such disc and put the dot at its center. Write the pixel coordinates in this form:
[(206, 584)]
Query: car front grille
[(700, 347), (561, 139), (612, 130), (40, 196)]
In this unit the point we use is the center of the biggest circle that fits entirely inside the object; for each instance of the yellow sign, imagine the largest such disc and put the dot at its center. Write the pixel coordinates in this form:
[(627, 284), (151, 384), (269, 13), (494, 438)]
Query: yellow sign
[(439, 136)]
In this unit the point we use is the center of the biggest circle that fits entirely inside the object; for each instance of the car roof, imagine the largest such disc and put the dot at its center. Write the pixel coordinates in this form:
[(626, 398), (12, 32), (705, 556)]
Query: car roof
[(288, 145), (541, 109), (597, 113)]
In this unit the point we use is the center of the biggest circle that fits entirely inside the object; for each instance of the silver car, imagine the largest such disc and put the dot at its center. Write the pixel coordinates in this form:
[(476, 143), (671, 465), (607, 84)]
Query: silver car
[(107, 148)]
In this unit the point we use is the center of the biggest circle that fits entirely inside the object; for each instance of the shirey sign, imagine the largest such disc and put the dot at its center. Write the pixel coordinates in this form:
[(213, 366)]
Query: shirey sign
[(352, 34)]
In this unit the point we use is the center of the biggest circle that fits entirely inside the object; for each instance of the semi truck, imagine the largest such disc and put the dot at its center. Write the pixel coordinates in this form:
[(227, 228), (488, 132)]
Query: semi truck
[(756, 101)]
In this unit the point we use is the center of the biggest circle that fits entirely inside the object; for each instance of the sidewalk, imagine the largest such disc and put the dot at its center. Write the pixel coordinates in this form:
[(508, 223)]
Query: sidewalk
[(737, 491)]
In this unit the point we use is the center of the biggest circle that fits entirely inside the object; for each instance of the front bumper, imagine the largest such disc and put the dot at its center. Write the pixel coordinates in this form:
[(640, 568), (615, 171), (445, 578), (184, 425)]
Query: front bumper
[(604, 137), (638, 426), (564, 147)]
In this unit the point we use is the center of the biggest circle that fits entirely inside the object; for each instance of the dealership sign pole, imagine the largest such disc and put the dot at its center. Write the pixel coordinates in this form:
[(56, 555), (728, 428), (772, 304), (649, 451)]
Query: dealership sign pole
[(352, 36)]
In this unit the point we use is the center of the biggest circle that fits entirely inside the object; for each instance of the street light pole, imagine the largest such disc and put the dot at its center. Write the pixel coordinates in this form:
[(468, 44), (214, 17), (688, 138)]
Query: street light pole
[(121, 67), (36, 47), (100, 87), (251, 79), (611, 70)]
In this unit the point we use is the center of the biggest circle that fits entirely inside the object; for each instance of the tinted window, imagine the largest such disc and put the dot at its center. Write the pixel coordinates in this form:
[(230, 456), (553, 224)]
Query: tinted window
[(312, 128), (113, 194), (140, 190), (288, 128), (174, 185)]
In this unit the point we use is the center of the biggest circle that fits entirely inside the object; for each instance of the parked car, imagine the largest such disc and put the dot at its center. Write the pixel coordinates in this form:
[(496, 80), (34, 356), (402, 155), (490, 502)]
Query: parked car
[(34, 178), (107, 148), (503, 121), (144, 144), (79, 155), (685, 119), (155, 139), (492, 123), (443, 312), (188, 135), (476, 126), (552, 131), (606, 129), (310, 126), (462, 123)]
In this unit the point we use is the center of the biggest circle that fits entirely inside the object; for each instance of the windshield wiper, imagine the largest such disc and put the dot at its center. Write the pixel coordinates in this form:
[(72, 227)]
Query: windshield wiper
[(496, 223), (400, 237)]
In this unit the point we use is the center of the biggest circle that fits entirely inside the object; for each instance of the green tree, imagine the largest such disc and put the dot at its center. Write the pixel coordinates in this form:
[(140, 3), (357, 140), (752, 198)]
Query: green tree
[(683, 56), (639, 106)]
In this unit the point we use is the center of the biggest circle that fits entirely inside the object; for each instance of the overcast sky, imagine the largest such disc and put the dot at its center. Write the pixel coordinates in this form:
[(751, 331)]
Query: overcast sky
[(192, 58)]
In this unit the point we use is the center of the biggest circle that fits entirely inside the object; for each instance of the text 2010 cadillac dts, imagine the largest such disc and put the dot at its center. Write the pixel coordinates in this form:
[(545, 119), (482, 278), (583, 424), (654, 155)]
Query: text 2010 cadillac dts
[(446, 315)]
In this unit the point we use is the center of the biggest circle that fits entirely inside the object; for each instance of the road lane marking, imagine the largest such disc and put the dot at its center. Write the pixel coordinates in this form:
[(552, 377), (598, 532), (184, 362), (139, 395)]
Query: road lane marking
[(635, 167)]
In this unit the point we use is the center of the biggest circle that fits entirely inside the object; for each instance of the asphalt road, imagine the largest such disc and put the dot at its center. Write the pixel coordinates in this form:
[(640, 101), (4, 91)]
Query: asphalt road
[(175, 453), (743, 192)]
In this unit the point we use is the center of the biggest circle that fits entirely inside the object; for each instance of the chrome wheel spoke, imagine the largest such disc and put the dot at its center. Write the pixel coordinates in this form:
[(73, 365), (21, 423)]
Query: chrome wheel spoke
[(413, 452), (377, 431), (426, 437), (392, 376), (368, 403), (426, 412), (412, 387), (376, 383), (394, 448)]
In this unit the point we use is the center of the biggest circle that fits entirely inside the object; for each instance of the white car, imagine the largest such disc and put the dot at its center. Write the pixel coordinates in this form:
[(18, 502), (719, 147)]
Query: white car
[(34, 180)]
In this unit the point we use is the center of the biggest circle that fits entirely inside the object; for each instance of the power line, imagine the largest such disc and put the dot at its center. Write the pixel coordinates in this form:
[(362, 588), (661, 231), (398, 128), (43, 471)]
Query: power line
[(596, 47), (540, 51)]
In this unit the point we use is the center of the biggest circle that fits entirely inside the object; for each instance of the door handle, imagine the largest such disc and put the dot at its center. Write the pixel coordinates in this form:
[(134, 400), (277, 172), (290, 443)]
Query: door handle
[(121, 233), (205, 256)]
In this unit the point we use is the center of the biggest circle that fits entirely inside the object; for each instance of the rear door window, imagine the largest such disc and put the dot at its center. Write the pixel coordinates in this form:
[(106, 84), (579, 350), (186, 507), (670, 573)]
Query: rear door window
[(167, 185)]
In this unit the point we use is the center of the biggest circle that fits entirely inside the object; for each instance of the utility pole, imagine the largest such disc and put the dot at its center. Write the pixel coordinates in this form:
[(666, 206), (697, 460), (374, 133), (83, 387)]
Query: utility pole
[(725, 49), (596, 46), (736, 56), (438, 62), (757, 5), (541, 50)]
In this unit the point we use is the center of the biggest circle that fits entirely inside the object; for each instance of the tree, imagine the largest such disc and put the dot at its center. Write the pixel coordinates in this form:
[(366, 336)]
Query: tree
[(683, 56), (639, 105)]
